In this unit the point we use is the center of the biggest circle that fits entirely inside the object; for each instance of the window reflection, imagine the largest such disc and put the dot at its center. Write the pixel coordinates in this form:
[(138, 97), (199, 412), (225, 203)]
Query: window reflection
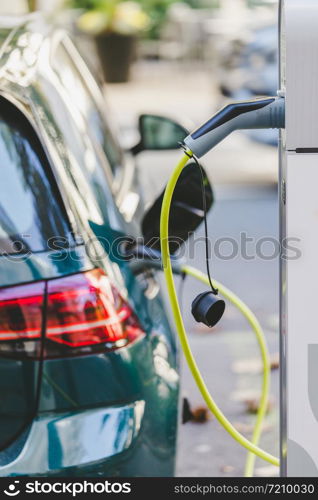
[(30, 208), (80, 94)]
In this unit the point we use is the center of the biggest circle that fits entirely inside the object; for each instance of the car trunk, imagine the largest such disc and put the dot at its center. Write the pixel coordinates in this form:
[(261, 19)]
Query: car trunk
[(31, 214)]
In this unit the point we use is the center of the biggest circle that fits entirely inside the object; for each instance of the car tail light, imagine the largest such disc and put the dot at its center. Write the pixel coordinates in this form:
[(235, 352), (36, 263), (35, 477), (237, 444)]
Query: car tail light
[(21, 313), (84, 314)]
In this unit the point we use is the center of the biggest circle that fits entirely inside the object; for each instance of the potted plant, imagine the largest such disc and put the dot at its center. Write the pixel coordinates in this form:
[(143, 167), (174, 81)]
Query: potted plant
[(115, 24)]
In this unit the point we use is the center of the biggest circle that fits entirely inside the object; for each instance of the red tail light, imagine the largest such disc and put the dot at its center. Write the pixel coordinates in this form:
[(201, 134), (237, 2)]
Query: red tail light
[(84, 313), (21, 309)]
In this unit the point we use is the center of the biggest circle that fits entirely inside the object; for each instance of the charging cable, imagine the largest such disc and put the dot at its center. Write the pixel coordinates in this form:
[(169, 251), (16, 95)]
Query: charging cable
[(251, 318), (147, 258), (251, 446)]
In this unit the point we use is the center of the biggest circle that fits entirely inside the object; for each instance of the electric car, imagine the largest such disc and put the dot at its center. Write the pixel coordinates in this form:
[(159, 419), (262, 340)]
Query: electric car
[(89, 380)]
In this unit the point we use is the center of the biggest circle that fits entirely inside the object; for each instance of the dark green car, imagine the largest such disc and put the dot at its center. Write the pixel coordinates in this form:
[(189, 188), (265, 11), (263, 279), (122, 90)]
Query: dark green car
[(89, 380)]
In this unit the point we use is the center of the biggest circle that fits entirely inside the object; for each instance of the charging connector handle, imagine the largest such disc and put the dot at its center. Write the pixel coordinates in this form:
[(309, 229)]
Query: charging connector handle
[(258, 113)]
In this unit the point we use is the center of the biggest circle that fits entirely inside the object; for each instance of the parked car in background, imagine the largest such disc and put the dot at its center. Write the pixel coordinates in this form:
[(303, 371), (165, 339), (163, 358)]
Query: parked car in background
[(89, 380), (253, 71)]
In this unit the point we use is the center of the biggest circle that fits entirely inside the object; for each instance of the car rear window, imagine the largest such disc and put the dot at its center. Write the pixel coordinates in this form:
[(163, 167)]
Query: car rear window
[(83, 98), (31, 209)]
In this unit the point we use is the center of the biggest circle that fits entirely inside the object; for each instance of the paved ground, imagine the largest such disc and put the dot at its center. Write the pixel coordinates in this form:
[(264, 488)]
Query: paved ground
[(192, 97), (244, 177), (205, 450)]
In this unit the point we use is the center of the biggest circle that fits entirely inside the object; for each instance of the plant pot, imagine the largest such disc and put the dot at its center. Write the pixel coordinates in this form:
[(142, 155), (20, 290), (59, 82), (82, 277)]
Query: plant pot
[(116, 52)]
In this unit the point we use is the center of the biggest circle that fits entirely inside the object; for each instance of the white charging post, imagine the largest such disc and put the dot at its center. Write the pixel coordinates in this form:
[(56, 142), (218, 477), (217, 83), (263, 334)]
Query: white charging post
[(299, 220)]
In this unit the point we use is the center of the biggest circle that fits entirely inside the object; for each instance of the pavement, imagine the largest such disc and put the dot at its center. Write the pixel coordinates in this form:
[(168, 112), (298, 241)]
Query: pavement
[(190, 96), (244, 177), (228, 355)]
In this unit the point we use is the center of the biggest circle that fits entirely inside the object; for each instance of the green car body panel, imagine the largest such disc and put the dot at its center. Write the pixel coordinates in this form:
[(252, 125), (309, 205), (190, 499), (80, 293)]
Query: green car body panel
[(106, 414)]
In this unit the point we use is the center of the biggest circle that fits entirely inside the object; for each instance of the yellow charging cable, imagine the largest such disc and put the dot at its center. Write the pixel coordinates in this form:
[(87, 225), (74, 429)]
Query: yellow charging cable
[(166, 261), (237, 302)]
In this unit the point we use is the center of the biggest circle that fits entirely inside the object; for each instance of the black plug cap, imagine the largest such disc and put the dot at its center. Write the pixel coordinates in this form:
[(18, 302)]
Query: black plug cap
[(207, 308)]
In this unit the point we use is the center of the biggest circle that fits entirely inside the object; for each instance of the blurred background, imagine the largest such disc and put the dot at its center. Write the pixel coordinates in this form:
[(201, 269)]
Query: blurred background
[(185, 60)]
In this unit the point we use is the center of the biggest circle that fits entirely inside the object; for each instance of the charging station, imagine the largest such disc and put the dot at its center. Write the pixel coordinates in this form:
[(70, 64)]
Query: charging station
[(294, 111), (299, 218)]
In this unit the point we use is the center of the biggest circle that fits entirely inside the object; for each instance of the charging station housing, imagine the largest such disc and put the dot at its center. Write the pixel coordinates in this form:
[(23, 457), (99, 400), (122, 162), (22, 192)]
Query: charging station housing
[(299, 220)]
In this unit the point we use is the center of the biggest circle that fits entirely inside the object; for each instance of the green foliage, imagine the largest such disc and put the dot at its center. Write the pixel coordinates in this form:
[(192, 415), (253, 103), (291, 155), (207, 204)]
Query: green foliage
[(98, 4), (199, 4), (156, 9), (87, 4)]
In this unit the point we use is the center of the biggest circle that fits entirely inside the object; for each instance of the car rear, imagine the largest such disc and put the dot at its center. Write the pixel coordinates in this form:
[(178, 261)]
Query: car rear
[(87, 375)]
